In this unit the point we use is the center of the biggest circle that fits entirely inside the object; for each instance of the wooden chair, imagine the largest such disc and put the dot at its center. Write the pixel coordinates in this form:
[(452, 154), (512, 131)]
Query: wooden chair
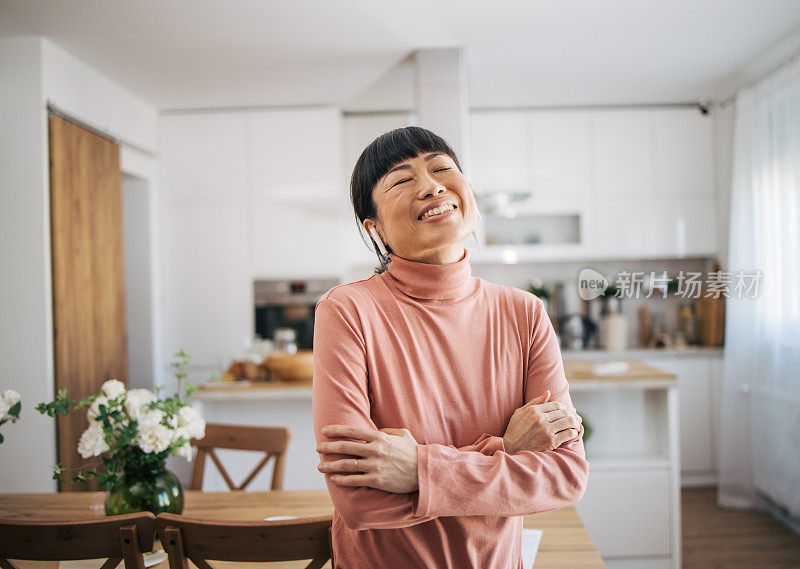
[(199, 541), (270, 440), (119, 538)]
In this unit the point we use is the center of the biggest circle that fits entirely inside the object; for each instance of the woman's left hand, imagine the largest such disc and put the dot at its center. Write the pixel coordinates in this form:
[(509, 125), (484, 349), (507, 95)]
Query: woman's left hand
[(386, 460)]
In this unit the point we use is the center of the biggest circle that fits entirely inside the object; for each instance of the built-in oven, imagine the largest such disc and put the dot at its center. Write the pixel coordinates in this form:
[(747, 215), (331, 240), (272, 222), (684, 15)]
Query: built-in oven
[(289, 304)]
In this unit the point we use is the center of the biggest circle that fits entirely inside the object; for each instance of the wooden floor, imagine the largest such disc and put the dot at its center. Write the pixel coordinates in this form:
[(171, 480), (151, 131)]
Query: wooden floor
[(716, 538)]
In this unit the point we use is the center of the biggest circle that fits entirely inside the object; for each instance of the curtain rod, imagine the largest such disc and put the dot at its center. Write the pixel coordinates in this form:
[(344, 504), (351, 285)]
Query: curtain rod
[(688, 105)]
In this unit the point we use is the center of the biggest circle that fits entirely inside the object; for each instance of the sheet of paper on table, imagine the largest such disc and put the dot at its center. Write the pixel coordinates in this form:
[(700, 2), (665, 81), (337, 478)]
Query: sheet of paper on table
[(531, 538), (150, 559)]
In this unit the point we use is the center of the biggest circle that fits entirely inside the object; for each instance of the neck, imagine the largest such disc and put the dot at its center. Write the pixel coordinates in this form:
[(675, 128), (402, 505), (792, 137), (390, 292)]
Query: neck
[(433, 281), (442, 256)]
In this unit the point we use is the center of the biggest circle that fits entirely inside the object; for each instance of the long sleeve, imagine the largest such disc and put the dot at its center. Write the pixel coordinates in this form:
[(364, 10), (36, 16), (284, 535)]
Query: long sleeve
[(466, 483), (341, 396)]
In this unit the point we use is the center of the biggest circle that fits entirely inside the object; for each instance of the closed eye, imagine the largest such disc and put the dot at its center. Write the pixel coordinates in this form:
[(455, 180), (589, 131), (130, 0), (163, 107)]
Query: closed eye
[(409, 179)]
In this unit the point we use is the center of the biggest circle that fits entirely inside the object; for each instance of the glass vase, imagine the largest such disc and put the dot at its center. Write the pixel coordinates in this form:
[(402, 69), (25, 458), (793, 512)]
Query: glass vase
[(154, 490)]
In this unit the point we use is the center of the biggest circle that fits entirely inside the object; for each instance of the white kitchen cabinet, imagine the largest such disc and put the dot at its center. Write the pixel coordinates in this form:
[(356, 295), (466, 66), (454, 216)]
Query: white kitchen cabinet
[(207, 286), (700, 226), (295, 156), (203, 157), (559, 157), (499, 154), (697, 381), (292, 241), (683, 152), (546, 153), (206, 282), (244, 195), (628, 513), (640, 180), (626, 228), (622, 154), (631, 507), (694, 389), (717, 367), (298, 198), (654, 226)]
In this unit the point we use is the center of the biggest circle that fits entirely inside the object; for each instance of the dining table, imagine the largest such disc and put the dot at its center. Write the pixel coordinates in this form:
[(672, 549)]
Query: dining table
[(565, 543)]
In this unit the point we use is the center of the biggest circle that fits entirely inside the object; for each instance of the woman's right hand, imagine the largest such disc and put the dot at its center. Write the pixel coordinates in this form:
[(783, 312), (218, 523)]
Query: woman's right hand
[(540, 425)]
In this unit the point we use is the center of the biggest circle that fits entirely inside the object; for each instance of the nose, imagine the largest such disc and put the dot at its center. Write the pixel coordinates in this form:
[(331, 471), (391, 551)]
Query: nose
[(431, 187)]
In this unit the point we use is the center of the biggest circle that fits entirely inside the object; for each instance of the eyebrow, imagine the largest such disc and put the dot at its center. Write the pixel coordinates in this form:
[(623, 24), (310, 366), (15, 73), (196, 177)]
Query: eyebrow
[(428, 158)]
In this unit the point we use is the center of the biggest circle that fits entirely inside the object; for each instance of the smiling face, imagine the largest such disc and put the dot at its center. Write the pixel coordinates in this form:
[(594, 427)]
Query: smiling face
[(407, 198)]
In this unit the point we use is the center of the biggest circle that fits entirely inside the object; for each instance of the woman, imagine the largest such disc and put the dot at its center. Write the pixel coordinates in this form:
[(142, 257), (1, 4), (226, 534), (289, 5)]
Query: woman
[(431, 386)]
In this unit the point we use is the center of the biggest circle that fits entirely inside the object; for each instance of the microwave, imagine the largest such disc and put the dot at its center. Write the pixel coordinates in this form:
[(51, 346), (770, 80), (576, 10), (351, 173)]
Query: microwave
[(289, 303)]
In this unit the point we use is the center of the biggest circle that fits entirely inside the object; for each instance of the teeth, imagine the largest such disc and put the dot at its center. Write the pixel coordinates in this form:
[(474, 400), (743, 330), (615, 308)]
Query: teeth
[(437, 210)]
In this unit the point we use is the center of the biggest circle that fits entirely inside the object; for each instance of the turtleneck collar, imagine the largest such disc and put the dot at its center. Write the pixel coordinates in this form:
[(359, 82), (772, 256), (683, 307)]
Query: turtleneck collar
[(451, 281)]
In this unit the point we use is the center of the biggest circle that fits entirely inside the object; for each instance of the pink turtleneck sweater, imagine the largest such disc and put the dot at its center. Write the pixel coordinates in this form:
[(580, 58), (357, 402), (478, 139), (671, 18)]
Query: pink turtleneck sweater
[(449, 357)]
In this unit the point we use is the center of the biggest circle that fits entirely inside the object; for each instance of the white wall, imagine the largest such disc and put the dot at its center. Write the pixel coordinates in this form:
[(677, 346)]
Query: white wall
[(33, 70), (93, 98), (138, 293), (26, 360)]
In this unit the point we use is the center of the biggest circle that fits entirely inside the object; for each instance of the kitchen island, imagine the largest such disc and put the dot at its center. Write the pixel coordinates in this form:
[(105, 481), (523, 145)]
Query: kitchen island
[(632, 503)]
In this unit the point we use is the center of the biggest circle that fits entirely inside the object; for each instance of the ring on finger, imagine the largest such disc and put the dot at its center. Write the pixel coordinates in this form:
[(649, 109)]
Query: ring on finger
[(356, 463)]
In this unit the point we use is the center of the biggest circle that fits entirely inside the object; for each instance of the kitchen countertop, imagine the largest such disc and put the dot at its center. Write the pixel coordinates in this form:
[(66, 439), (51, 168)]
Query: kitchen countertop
[(638, 376), (690, 351)]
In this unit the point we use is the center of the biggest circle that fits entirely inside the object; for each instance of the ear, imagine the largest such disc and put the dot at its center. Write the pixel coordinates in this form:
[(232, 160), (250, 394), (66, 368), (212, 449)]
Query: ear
[(368, 224)]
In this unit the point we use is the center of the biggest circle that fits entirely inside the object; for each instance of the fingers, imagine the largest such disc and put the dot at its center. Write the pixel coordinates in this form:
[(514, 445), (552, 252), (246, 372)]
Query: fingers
[(565, 436), (351, 431), (553, 405), (343, 465), (565, 423), (553, 416), (539, 399), (351, 479), (346, 447)]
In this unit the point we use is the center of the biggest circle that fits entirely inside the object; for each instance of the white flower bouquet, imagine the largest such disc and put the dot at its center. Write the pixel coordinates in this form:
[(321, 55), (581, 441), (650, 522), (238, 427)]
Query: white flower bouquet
[(10, 407), (133, 431)]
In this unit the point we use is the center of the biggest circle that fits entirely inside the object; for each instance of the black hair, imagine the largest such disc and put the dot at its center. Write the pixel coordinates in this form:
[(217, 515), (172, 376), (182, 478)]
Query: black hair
[(380, 156)]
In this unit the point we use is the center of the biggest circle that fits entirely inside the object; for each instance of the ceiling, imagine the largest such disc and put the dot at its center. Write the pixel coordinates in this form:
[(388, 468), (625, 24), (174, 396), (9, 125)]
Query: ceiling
[(186, 54)]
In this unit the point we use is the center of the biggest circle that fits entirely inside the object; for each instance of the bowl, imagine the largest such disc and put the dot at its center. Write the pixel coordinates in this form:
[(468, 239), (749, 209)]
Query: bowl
[(290, 367)]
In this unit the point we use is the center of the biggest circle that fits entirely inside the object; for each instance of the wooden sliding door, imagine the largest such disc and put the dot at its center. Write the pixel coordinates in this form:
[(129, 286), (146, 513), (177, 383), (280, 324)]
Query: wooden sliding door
[(88, 273)]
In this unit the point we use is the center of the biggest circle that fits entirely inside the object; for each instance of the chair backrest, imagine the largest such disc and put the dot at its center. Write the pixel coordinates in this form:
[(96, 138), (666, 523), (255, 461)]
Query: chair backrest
[(217, 540), (270, 440), (119, 538)]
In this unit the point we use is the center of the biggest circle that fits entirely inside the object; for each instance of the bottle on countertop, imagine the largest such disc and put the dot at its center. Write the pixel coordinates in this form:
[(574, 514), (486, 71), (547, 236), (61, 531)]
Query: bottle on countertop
[(285, 340), (688, 321), (613, 329)]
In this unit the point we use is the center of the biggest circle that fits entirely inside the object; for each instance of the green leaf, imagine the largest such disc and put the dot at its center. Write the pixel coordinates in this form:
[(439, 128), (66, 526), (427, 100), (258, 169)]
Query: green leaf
[(59, 406), (15, 409)]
